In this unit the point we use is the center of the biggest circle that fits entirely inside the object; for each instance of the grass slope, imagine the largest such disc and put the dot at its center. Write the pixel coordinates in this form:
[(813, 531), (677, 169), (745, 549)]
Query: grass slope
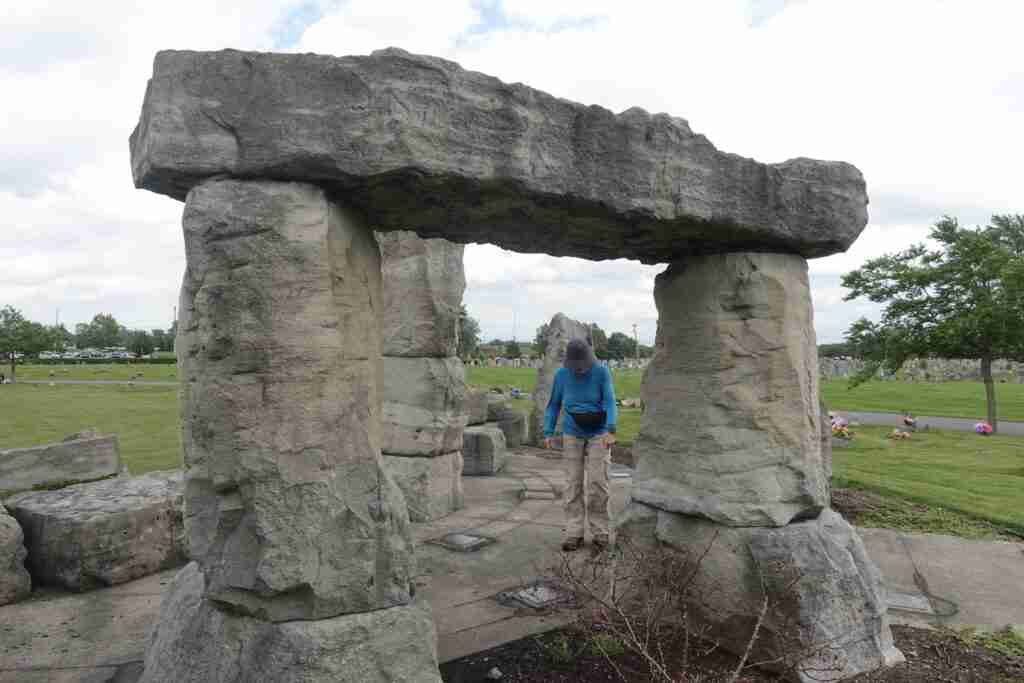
[(945, 399), (627, 382), (145, 419), (100, 371)]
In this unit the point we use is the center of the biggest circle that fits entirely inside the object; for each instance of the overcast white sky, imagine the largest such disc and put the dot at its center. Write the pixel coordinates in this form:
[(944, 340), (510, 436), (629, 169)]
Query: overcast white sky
[(926, 97)]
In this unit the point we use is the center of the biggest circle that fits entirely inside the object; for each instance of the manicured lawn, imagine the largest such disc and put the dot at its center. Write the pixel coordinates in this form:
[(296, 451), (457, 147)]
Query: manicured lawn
[(104, 371), (945, 399), (145, 418), (980, 476), (627, 382)]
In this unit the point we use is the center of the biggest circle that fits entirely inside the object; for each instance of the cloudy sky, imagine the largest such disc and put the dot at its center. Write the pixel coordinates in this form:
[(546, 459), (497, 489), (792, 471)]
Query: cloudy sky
[(926, 97)]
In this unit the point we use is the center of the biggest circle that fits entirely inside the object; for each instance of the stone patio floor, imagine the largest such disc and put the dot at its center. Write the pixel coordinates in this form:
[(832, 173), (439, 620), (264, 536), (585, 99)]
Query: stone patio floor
[(100, 636)]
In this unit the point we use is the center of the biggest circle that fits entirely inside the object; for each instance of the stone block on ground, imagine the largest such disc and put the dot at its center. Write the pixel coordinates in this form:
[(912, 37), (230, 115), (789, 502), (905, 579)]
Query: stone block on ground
[(623, 455), (560, 331), (418, 140), (829, 607), (513, 426), (103, 533), (15, 583), (731, 431), (484, 450), (81, 457), (476, 406), (423, 410), (423, 282), (194, 642), (432, 485)]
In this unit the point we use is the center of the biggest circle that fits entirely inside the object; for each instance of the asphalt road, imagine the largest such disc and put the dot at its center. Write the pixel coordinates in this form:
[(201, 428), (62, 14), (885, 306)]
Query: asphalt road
[(955, 424)]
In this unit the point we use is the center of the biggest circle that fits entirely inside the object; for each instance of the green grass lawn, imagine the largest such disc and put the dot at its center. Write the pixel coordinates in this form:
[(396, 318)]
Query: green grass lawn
[(145, 418), (979, 476), (945, 399), (627, 382), (100, 371)]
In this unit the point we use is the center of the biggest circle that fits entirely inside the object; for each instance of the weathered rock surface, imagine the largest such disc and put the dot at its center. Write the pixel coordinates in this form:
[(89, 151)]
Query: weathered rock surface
[(290, 512), (423, 283), (15, 583), (475, 406), (484, 450), (86, 456), (731, 430), (194, 642), (102, 533), (421, 144), (561, 330), (423, 412), (432, 486), (831, 613)]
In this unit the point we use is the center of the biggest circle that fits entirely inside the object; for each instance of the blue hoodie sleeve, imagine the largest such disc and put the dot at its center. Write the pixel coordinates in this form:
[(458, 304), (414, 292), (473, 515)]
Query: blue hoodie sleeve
[(554, 406), (608, 397)]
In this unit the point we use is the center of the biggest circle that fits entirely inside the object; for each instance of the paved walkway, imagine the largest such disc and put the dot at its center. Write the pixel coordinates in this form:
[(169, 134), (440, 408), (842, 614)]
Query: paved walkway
[(100, 637), (955, 424)]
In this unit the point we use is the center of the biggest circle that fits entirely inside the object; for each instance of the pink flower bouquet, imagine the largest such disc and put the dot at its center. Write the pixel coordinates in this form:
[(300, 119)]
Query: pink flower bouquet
[(983, 428)]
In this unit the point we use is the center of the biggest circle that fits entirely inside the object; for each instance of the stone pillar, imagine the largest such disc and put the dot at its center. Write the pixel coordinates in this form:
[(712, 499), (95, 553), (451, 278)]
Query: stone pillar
[(300, 537), (560, 330), (730, 463), (423, 383)]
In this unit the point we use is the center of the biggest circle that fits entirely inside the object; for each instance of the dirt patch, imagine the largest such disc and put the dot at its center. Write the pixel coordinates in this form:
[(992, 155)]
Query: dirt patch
[(565, 656)]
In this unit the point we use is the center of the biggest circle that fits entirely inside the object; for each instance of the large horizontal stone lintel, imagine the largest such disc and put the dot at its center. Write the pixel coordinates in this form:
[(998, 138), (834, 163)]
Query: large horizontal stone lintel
[(419, 143)]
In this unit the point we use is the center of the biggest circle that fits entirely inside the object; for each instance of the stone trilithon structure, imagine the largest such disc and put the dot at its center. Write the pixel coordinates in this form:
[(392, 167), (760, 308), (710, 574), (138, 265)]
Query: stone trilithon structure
[(299, 534), (423, 384)]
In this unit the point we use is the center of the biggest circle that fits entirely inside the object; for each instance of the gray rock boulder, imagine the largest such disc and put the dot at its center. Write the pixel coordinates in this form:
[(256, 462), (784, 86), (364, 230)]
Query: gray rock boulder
[(81, 457), (423, 283), (732, 426), (432, 486), (475, 406), (518, 167), (290, 512), (422, 405), (194, 642), (15, 583), (102, 533), (561, 329), (828, 613), (484, 450)]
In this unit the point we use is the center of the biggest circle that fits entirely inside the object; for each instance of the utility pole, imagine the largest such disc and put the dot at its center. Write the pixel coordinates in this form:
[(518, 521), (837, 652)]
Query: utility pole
[(636, 338)]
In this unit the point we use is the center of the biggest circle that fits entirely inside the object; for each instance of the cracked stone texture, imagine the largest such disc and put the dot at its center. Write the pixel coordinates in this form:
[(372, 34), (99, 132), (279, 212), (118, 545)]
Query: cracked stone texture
[(423, 281), (423, 411), (561, 329), (86, 456), (15, 582), (432, 486), (102, 533), (289, 510), (831, 613), (194, 642), (484, 450), (419, 143), (731, 430), (475, 406)]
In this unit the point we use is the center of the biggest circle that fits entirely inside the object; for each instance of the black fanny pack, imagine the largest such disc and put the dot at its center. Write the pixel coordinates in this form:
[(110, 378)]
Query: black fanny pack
[(589, 420)]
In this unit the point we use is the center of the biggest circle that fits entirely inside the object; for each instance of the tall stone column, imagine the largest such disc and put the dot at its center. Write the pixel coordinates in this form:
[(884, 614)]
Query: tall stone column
[(303, 558), (730, 463), (423, 385), (560, 330)]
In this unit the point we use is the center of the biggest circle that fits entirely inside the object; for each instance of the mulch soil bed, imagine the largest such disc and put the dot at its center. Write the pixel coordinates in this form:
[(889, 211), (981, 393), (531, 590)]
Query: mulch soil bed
[(563, 656)]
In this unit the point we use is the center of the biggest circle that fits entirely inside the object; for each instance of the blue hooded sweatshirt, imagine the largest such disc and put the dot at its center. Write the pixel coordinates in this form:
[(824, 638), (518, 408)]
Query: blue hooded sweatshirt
[(590, 392)]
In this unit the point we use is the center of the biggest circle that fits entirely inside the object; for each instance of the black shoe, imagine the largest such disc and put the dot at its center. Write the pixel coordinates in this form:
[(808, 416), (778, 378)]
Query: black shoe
[(572, 544)]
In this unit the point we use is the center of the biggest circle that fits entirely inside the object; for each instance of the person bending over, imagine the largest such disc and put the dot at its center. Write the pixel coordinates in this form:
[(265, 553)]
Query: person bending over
[(584, 389)]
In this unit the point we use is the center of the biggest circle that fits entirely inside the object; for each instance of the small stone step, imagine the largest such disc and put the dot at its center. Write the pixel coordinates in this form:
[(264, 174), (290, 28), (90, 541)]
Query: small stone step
[(483, 450)]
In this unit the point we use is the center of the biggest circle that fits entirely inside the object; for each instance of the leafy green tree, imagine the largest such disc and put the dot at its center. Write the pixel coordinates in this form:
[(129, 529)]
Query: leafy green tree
[(835, 350), (512, 349), (18, 335), (104, 331), (58, 337), (140, 342), (962, 300), (599, 341), (621, 346), (469, 334), (540, 342)]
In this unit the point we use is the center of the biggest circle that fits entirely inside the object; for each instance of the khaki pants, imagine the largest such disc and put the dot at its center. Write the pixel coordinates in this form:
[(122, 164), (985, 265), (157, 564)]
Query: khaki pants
[(586, 490)]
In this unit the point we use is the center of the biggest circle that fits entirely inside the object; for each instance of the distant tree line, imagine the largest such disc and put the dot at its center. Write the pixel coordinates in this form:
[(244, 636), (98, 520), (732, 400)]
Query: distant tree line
[(21, 336)]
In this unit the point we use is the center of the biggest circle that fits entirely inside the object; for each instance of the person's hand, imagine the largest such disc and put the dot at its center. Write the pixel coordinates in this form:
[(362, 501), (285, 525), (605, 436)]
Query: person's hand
[(549, 443), (608, 440)]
